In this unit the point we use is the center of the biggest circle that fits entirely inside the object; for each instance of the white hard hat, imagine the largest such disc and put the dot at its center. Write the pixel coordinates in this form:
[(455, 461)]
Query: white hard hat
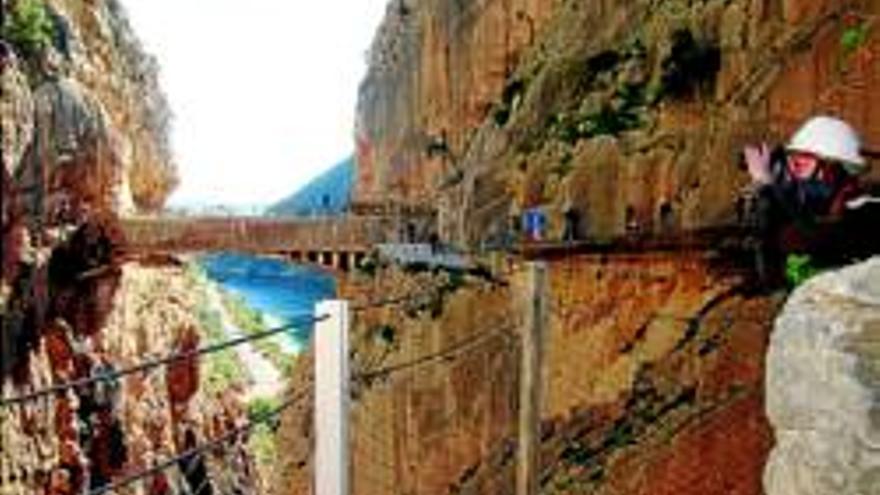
[(831, 139)]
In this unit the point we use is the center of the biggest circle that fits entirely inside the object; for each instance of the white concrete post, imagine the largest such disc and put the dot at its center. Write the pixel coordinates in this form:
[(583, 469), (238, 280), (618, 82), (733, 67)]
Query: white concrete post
[(331, 399)]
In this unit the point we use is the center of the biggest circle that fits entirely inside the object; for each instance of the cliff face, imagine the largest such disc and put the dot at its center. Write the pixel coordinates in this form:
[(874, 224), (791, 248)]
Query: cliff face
[(78, 96), (419, 430), (654, 378), (95, 50), (107, 58), (619, 109), (89, 436), (632, 113), (436, 68), (653, 383), (85, 141)]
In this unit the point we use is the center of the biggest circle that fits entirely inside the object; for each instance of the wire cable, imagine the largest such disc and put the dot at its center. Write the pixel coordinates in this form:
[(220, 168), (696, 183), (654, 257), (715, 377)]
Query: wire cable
[(165, 360), (217, 442), (209, 349), (460, 346)]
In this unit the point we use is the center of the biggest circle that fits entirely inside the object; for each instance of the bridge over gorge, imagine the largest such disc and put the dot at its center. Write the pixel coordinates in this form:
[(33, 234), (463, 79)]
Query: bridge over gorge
[(337, 242)]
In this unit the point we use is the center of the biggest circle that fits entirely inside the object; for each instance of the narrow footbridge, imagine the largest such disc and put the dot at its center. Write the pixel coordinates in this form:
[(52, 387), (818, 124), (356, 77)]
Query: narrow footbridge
[(338, 242)]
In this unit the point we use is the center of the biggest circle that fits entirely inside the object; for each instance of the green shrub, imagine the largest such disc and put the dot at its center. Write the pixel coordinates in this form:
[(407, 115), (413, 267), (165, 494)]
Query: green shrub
[(853, 38), (262, 444), (262, 439), (367, 266), (28, 26), (261, 408), (799, 268), (607, 121), (247, 318), (223, 370)]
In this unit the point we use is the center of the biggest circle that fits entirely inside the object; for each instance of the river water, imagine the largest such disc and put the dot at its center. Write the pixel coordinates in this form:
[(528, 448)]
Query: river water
[(280, 290)]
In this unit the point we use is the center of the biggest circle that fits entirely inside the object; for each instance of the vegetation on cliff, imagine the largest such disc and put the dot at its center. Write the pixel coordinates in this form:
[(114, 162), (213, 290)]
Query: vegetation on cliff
[(106, 60), (27, 26)]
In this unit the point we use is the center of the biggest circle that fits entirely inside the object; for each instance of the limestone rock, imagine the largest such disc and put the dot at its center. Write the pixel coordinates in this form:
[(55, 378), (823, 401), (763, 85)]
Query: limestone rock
[(109, 61), (73, 148), (465, 101), (823, 385), (16, 112)]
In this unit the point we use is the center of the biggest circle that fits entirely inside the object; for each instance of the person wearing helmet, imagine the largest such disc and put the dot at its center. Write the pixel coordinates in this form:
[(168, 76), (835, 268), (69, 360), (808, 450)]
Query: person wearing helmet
[(805, 186)]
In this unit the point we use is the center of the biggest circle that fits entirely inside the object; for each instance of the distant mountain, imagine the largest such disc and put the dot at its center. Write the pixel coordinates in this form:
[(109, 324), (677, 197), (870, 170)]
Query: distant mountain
[(328, 194)]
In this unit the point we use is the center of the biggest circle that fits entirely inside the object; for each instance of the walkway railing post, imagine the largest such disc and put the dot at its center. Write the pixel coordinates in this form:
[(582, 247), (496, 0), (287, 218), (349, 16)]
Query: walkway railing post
[(331, 399), (528, 461)]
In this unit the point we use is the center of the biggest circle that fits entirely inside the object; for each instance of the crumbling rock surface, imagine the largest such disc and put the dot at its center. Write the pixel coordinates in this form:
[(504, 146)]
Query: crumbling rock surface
[(823, 381)]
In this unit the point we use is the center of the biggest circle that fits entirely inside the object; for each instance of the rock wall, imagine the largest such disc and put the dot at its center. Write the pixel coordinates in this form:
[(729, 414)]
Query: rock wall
[(93, 46), (435, 69), (79, 99), (109, 61), (654, 378), (85, 141), (78, 95), (653, 383), (89, 436), (416, 430), (822, 385), (620, 109)]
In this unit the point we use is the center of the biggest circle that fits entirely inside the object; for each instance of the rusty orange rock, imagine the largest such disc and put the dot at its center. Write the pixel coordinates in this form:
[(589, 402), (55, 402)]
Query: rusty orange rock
[(65, 420), (59, 351), (182, 376)]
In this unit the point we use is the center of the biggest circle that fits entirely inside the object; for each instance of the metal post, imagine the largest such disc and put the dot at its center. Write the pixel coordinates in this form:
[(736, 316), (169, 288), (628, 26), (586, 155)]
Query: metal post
[(331, 399), (528, 461)]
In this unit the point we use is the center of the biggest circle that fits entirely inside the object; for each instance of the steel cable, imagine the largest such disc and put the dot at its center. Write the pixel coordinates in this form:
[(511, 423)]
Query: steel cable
[(189, 454), (164, 360), (460, 346)]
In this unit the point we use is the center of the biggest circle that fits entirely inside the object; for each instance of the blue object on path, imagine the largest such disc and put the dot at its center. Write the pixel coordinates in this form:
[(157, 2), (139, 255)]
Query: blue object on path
[(534, 224)]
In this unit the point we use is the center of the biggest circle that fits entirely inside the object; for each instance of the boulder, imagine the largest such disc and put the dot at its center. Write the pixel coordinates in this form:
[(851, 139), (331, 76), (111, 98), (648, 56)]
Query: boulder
[(823, 387)]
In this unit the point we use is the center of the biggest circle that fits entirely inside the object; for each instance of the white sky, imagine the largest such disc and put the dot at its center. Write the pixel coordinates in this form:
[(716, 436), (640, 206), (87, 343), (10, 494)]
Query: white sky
[(263, 91)]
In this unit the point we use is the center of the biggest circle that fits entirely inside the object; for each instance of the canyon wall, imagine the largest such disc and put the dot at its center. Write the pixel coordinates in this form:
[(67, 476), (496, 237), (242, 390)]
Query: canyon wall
[(85, 140), (93, 46), (653, 381), (88, 436), (627, 111), (632, 113)]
